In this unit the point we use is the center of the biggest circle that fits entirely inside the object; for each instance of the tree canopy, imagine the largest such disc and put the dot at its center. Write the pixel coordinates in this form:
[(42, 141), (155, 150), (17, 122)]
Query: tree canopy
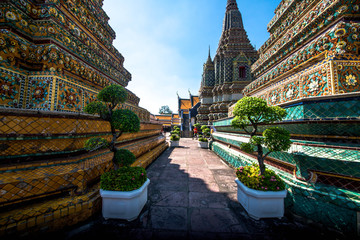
[(250, 112), (165, 110)]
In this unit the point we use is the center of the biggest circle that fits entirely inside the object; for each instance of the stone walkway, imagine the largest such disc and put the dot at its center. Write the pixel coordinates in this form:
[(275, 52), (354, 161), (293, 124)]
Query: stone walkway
[(192, 195)]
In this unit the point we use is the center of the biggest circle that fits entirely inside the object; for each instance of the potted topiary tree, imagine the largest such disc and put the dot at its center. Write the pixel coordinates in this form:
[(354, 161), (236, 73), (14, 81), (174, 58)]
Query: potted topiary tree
[(260, 191), (124, 189), (203, 139), (175, 137)]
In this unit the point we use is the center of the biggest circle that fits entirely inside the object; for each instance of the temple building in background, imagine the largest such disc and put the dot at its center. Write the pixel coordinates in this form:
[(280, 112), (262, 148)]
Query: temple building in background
[(55, 56), (186, 109), (225, 77), (165, 120)]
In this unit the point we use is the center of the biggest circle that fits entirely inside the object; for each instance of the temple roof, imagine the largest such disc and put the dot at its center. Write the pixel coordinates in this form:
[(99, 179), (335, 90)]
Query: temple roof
[(231, 5), (184, 104), (233, 18), (209, 61), (234, 37), (164, 117)]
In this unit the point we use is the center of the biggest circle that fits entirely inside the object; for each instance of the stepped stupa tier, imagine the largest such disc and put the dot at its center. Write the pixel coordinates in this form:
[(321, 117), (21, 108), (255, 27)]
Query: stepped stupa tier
[(55, 57), (310, 66), (304, 56), (69, 42), (225, 77)]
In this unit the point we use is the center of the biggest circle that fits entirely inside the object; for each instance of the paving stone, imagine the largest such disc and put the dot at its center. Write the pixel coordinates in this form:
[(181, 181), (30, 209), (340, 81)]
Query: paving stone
[(173, 235), (192, 195), (172, 173), (215, 220), (168, 218), (170, 199), (199, 172), (227, 187), (200, 186), (207, 200), (169, 185)]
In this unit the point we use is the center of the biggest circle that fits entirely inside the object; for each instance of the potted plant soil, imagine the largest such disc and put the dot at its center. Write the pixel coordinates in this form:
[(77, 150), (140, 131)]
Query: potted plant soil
[(260, 191), (124, 189)]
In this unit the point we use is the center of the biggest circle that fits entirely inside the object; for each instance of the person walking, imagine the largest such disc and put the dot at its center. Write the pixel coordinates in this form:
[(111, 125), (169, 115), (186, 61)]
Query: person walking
[(195, 133)]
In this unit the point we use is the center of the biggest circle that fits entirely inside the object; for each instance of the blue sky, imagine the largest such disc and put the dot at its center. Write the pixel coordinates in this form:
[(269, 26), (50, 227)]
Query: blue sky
[(165, 42)]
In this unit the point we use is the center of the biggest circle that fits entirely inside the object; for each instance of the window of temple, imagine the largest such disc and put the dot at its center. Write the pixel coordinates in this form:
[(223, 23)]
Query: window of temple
[(242, 72)]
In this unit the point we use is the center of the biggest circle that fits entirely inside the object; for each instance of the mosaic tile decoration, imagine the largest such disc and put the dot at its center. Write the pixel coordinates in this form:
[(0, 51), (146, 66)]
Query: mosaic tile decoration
[(52, 93), (68, 210), (328, 205), (33, 181), (288, 50), (31, 134), (313, 156), (333, 119), (51, 214), (329, 109)]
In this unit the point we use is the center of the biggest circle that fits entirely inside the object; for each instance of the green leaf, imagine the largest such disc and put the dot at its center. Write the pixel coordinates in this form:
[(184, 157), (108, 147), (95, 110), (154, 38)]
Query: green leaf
[(277, 139), (114, 94), (247, 147), (239, 122), (256, 140), (125, 120), (124, 158), (96, 107), (123, 179), (256, 111)]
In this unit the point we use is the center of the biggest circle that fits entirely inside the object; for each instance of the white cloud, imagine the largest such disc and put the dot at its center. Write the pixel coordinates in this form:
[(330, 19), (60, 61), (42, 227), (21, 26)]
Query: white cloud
[(147, 39)]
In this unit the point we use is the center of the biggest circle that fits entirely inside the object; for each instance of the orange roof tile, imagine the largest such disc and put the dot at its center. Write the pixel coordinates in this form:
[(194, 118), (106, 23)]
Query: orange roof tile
[(164, 117), (185, 104), (195, 100)]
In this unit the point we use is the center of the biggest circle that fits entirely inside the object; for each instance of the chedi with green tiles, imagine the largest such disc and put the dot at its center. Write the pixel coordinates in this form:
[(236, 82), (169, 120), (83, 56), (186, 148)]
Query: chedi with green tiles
[(250, 112)]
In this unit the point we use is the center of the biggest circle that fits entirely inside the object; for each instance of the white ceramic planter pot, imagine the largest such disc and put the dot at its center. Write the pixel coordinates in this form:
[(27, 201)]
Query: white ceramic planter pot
[(174, 143), (203, 144), (260, 204), (124, 205)]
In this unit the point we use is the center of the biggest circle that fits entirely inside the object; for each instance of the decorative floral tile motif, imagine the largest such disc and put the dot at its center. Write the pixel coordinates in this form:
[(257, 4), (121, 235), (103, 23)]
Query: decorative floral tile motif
[(274, 96), (11, 87), (316, 84), (39, 93), (69, 97), (338, 41), (66, 31), (348, 77), (290, 91), (89, 97)]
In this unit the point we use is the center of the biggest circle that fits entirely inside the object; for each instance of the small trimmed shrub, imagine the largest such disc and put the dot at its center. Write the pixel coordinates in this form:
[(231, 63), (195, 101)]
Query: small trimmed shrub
[(123, 179), (126, 120), (205, 131), (124, 158), (250, 176), (203, 139), (174, 137), (121, 120)]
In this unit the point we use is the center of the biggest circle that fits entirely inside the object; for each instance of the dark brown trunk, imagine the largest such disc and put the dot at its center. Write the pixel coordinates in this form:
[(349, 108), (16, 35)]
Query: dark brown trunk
[(260, 158)]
